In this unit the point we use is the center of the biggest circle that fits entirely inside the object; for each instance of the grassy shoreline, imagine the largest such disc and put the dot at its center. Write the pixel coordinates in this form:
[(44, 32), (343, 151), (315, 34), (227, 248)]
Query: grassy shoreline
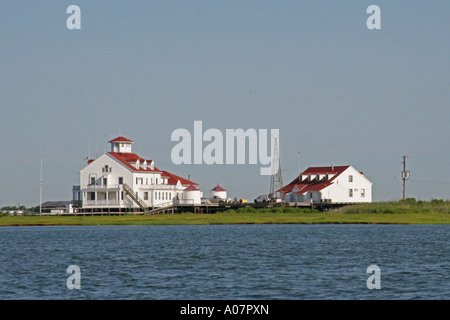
[(402, 212), (230, 218)]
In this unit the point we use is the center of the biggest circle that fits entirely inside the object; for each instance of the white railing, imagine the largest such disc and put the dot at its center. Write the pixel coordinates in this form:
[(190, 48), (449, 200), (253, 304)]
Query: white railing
[(102, 186), (101, 202), (120, 186)]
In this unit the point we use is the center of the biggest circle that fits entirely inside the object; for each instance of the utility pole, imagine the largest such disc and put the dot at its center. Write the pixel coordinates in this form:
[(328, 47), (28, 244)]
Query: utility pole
[(405, 175)]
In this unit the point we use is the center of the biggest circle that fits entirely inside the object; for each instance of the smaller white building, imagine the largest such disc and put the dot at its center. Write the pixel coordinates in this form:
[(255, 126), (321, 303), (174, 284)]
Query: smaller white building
[(218, 193), (337, 184), (191, 195)]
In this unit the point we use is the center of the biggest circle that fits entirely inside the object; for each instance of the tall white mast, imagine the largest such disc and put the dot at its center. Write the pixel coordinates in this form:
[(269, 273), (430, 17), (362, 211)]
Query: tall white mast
[(40, 193)]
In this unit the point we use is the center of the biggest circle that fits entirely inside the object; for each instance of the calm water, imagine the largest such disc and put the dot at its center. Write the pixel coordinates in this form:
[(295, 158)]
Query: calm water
[(289, 262)]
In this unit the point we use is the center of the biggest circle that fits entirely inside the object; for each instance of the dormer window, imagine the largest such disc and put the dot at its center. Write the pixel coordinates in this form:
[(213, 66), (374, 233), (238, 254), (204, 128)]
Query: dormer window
[(152, 165), (317, 177), (309, 177), (137, 164), (326, 176)]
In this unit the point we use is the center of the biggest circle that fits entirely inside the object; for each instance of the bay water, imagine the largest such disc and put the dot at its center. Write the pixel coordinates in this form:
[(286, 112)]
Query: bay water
[(276, 262)]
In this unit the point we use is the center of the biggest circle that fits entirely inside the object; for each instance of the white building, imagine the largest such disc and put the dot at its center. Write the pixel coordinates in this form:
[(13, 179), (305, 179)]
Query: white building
[(218, 192), (191, 195), (121, 180), (337, 184)]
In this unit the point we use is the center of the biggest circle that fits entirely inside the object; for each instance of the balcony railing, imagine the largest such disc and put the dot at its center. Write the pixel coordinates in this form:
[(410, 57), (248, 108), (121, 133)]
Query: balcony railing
[(101, 202), (120, 186), (102, 186)]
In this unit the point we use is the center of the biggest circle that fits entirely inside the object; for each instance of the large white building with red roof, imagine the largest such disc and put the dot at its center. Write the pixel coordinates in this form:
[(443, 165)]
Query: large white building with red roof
[(337, 184), (120, 180)]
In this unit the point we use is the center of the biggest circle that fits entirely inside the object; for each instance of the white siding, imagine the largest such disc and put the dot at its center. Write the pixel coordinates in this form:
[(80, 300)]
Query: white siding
[(339, 190)]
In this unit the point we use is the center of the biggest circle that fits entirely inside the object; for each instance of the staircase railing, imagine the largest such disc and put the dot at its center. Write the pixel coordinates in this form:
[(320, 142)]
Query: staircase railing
[(135, 198)]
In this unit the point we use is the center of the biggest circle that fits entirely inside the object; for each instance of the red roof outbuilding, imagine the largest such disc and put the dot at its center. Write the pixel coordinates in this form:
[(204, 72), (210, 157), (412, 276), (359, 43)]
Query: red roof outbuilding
[(305, 185)]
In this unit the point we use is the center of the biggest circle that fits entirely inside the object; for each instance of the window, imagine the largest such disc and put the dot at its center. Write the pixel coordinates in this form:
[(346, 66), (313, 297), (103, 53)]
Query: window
[(91, 195), (309, 177), (92, 180), (350, 193), (156, 180), (363, 193), (317, 177), (120, 180), (105, 181), (145, 195), (350, 178)]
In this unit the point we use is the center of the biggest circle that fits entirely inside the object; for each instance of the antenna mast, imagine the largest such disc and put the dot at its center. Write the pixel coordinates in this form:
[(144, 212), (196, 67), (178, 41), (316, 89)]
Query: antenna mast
[(40, 192), (276, 180)]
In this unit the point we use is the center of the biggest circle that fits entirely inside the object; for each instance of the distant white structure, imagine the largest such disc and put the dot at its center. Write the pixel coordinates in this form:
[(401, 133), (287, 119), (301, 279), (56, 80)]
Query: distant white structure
[(337, 184), (191, 195), (120, 180), (218, 192)]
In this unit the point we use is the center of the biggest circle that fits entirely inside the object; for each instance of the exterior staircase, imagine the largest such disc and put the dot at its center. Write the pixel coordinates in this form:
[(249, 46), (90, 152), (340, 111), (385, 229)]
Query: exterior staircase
[(135, 198)]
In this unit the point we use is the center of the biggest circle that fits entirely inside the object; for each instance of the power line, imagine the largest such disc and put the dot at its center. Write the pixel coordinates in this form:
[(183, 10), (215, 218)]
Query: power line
[(430, 181), (430, 160)]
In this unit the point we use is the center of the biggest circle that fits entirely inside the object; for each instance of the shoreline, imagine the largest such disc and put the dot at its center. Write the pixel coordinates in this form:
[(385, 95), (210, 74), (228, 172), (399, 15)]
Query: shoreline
[(232, 218)]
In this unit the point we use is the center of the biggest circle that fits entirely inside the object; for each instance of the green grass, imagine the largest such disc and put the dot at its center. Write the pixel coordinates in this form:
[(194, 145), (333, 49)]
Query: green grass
[(403, 212), (408, 206)]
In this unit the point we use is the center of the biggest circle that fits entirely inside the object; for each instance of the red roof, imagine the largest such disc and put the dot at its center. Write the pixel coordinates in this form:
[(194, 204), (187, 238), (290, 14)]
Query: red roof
[(314, 185), (128, 158), (173, 179), (323, 170), (218, 188), (120, 139), (191, 188)]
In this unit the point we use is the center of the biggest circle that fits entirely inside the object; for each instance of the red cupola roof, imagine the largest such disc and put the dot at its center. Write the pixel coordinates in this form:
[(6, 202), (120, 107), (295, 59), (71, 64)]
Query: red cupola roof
[(218, 188), (121, 139)]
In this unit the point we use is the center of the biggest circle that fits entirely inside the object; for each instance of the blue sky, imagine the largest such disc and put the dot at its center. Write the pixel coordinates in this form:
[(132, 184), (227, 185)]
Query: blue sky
[(338, 92)]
